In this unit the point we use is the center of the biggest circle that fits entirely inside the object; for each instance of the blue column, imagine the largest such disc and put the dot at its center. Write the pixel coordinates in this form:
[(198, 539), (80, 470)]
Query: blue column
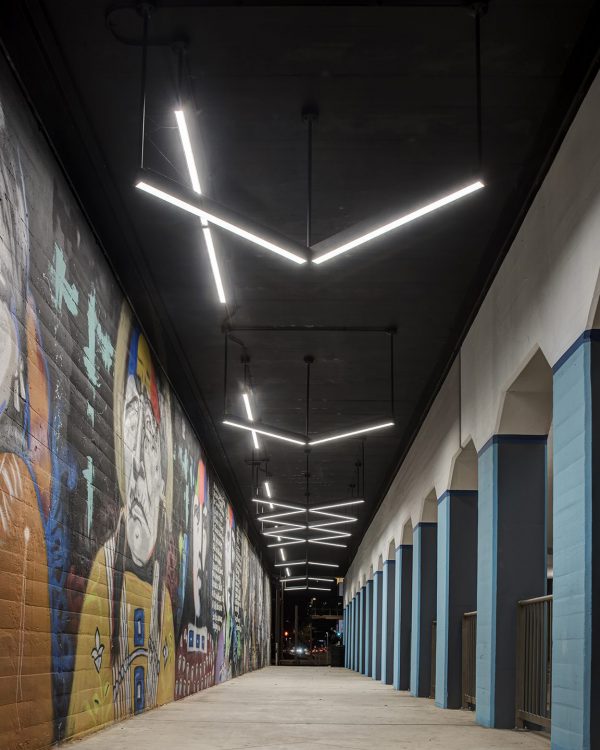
[(368, 628), (456, 589), (576, 547), (387, 622), (402, 616), (361, 629), (511, 563), (376, 628), (351, 634), (346, 626), (424, 595), (356, 630), (351, 637)]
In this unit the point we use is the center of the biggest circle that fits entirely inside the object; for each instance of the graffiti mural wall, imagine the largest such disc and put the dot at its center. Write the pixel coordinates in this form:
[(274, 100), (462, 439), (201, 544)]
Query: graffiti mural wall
[(125, 578)]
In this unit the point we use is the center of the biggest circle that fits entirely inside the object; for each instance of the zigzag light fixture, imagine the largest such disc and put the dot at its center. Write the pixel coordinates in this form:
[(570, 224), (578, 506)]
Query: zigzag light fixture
[(211, 213)]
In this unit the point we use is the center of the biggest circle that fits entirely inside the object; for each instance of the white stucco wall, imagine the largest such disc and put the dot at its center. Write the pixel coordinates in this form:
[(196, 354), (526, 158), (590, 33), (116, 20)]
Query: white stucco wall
[(545, 295)]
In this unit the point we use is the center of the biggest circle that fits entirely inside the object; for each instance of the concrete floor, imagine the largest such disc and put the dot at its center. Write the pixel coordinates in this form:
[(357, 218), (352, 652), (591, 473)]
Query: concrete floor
[(296, 708)]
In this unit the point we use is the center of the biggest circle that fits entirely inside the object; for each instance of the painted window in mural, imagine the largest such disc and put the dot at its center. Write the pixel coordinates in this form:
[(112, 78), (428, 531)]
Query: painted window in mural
[(125, 580)]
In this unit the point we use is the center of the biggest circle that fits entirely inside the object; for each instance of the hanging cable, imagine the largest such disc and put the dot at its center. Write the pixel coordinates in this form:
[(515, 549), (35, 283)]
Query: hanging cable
[(309, 361), (478, 9), (144, 9), (309, 115), (363, 468)]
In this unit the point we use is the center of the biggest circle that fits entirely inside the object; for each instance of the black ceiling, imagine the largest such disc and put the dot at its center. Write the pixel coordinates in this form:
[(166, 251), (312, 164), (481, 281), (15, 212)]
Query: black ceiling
[(395, 89)]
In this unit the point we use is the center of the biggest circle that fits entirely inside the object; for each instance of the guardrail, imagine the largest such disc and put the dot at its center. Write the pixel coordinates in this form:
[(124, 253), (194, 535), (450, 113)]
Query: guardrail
[(469, 646), (534, 662)]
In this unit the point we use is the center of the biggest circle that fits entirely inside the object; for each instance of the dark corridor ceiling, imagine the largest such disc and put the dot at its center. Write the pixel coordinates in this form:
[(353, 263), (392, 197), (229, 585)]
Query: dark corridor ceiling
[(395, 89)]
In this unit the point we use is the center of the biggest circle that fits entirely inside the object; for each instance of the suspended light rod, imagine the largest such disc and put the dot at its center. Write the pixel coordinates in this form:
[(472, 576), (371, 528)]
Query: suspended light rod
[(195, 180), (352, 433), (394, 224), (199, 205)]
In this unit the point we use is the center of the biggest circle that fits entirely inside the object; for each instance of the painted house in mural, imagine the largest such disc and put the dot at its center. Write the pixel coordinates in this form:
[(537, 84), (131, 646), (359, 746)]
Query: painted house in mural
[(127, 580)]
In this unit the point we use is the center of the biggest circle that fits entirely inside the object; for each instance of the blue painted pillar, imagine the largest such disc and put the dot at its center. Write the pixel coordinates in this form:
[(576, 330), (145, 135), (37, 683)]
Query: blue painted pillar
[(350, 640), (424, 603), (361, 628), (348, 637), (576, 548), (368, 628), (511, 563), (387, 622), (402, 616), (354, 632), (456, 589), (376, 628), (346, 628)]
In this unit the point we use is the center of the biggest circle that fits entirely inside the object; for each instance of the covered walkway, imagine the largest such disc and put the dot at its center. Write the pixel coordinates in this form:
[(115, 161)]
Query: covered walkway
[(294, 708)]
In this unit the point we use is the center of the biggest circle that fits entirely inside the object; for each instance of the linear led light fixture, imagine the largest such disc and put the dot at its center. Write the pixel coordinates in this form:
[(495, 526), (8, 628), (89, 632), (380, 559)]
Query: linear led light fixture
[(318, 508), (333, 523), (318, 588), (329, 514), (288, 544), (400, 221), (287, 572), (278, 504), (295, 578), (316, 578), (282, 553), (246, 400), (295, 588), (199, 205), (274, 517), (322, 564), (278, 523), (342, 435), (327, 544), (268, 491), (195, 180), (278, 535), (335, 533), (290, 563), (269, 433)]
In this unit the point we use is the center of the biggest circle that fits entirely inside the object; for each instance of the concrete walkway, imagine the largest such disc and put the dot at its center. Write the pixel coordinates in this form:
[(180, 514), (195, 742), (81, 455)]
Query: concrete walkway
[(296, 708)]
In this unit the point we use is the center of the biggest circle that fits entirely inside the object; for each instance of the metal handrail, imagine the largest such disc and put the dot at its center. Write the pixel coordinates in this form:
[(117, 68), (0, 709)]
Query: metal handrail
[(534, 662)]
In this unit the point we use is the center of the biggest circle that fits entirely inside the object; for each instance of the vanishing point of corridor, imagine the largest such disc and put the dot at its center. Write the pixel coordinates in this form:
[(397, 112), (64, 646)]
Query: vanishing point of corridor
[(297, 708)]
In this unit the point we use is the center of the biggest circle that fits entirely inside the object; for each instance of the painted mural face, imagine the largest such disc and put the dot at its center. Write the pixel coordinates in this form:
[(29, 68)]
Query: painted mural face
[(13, 241), (199, 534), (142, 454)]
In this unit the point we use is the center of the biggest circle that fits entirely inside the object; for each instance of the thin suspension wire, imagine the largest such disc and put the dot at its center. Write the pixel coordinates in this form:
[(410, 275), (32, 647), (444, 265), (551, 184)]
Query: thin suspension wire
[(478, 12), (308, 361), (363, 468), (309, 185), (392, 384), (145, 10), (225, 368)]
